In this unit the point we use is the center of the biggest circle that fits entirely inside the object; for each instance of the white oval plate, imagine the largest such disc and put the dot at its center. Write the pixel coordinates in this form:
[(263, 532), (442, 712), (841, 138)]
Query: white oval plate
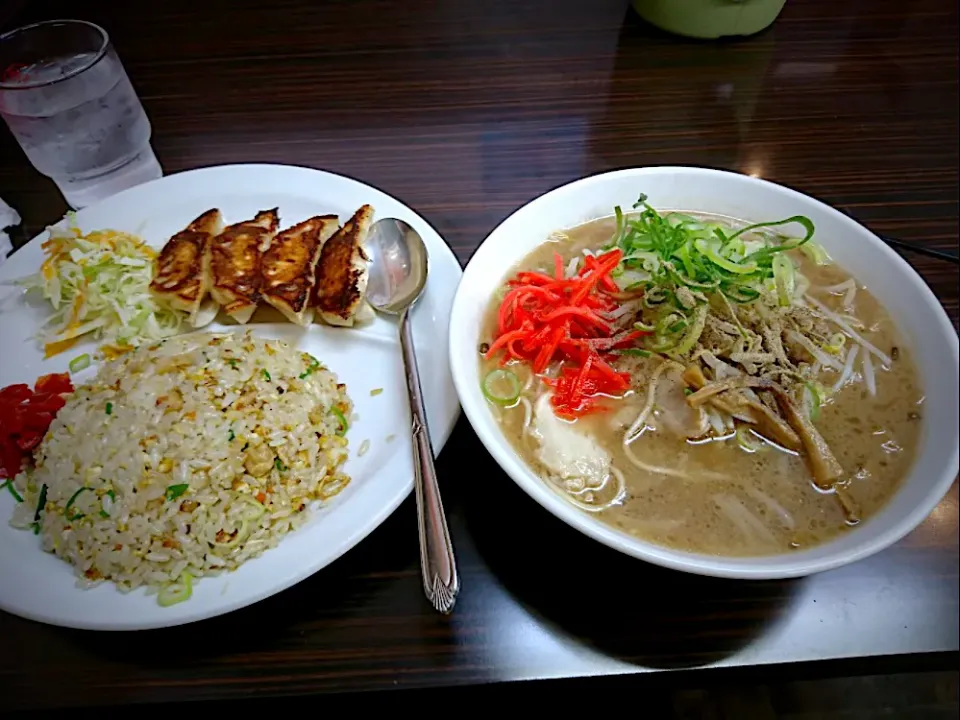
[(40, 586), (902, 291)]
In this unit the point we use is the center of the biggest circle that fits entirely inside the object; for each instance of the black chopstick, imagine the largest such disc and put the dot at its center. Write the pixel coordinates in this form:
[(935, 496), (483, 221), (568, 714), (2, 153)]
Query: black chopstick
[(923, 250)]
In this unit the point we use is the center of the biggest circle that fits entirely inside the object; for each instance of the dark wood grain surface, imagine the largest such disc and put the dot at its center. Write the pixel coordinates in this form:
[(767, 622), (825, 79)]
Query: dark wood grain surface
[(465, 111)]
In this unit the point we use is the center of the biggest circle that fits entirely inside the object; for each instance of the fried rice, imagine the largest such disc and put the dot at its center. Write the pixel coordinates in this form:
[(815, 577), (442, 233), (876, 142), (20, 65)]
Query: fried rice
[(186, 458)]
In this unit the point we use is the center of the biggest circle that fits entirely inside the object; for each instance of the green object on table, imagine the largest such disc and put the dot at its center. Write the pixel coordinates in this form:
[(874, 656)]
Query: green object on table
[(709, 18)]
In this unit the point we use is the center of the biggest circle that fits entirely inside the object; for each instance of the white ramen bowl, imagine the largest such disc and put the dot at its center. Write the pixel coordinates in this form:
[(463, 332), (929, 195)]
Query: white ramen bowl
[(919, 316)]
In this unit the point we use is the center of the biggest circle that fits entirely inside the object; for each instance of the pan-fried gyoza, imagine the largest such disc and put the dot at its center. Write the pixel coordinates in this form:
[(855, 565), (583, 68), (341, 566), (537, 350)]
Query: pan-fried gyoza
[(314, 268)]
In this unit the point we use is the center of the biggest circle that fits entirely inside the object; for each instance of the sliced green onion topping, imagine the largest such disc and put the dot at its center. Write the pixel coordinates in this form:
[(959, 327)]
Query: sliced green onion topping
[(656, 296), (501, 387), (81, 362), (13, 491), (790, 244), (785, 278), (695, 331), (74, 497), (313, 366), (176, 592), (113, 498), (633, 352), (253, 510), (621, 226), (676, 219), (711, 251), (66, 510), (815, 252), (175, 491), (40, 504), (237, 536), (739, 293), (835, 346), (342, 419), (688, 262)]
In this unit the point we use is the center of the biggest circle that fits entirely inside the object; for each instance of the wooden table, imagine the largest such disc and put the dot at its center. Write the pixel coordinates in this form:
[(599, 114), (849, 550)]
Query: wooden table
[(465, 111)]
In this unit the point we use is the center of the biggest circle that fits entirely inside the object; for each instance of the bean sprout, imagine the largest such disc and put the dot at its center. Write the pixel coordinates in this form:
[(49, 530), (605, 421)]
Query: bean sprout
[(847, 369), (744, 520), (839, 288), (776, 508), (869, 374), (527, 413), (849, 290), (851, 333), (849, 297), (819, 355), (635, 430)]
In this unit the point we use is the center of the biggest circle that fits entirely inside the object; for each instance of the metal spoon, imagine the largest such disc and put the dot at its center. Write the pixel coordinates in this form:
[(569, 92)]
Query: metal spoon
[(398, 274)]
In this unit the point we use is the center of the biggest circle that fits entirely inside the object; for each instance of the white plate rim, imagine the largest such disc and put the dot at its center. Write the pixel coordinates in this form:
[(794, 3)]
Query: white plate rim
[(440, 255)]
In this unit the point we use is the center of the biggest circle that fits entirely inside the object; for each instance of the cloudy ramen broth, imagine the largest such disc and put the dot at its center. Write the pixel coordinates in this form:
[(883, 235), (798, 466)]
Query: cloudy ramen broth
[(713, 485)]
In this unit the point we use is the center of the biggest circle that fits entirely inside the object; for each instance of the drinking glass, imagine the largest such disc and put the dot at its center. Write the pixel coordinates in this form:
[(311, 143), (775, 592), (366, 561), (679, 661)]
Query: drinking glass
[(69, 103)]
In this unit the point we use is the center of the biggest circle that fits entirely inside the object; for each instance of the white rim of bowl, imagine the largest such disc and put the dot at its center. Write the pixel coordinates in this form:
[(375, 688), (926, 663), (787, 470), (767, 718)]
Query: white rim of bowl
[(699, 564)]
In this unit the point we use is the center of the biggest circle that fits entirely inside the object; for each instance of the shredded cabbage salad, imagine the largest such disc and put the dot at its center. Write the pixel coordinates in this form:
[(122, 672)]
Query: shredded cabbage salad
[(98, 284)]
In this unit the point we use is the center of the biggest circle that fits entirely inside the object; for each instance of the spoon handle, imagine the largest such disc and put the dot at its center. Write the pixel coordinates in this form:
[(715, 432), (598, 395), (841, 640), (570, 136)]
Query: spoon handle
[(437, 563)]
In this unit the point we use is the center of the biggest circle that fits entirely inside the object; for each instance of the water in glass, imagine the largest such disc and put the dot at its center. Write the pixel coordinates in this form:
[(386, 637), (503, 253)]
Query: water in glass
[(81, 123)]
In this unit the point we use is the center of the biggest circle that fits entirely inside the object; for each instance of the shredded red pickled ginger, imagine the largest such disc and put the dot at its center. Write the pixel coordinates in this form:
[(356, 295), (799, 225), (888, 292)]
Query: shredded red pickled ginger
[(25, 417), (544, 318)]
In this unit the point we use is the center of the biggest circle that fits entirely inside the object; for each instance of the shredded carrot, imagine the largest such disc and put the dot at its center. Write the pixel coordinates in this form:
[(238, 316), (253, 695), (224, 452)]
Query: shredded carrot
[(59, 346), (110, 352), (55, 348), (47, 267)]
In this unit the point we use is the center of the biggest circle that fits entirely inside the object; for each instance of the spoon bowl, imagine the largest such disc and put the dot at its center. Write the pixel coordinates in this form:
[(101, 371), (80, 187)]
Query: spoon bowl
[(398, 268)]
